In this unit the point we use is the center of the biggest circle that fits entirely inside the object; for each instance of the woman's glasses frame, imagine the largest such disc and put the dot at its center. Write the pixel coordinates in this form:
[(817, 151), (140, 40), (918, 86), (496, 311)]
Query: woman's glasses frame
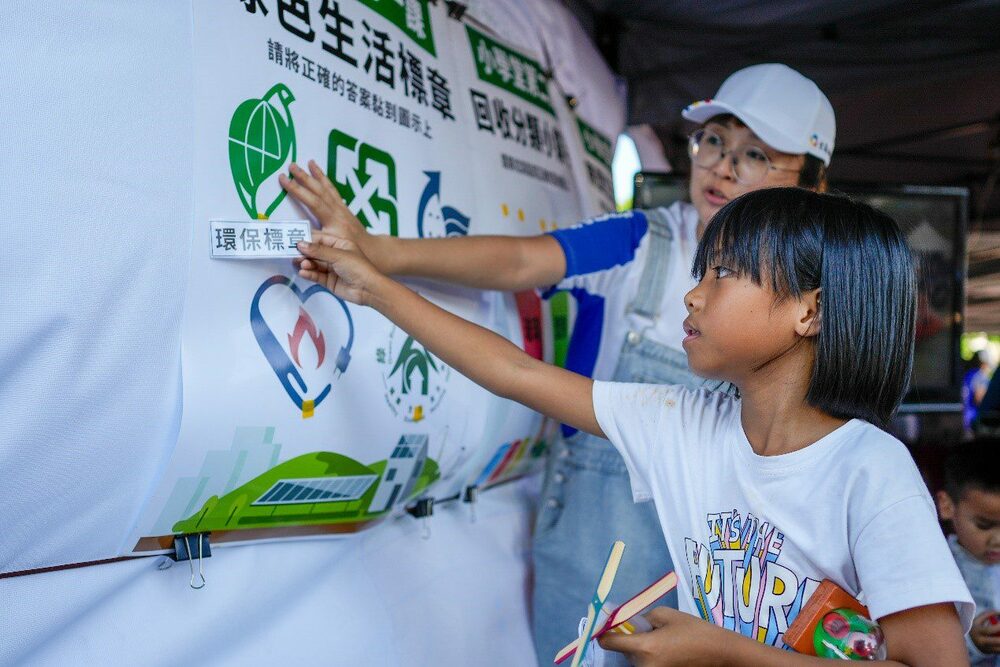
[(750, 162)]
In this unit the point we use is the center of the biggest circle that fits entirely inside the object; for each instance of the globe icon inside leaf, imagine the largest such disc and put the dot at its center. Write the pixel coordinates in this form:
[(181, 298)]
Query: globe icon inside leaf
[(261, 145)]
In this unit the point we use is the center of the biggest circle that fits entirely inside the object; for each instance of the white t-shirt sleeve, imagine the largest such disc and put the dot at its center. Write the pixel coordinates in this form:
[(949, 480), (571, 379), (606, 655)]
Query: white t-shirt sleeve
[(902, 575), (629, 417), (653, 426)]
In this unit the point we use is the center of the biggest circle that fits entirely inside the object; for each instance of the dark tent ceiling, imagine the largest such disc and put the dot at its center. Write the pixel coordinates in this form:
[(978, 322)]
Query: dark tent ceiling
[(915, 85)]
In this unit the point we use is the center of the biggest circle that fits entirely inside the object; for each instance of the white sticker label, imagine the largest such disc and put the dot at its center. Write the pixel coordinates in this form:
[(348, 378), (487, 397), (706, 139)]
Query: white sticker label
[(257, 239)]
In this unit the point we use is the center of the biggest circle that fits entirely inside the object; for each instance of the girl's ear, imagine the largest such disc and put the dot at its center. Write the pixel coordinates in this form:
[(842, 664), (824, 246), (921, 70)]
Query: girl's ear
[(946, 506), (809, 316)]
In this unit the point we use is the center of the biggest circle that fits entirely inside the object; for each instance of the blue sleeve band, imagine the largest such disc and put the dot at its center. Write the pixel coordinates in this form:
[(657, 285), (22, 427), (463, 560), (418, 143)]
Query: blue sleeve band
[(585, 341), (602, 244)]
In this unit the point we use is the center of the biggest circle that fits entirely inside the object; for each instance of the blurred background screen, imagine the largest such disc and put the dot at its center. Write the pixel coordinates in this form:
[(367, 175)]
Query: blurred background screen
[(934, 220)]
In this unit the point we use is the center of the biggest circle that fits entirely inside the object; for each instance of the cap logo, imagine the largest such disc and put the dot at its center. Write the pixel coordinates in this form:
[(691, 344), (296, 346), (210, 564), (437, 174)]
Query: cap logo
[(820, 144), (695, 105)]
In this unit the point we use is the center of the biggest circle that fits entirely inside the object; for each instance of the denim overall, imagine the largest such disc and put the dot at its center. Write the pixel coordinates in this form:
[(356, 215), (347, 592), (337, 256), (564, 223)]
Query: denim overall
[(587, 500)]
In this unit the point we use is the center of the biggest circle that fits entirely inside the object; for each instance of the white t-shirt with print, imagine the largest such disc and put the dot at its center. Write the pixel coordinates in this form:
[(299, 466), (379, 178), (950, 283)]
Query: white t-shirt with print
[(753, 536)]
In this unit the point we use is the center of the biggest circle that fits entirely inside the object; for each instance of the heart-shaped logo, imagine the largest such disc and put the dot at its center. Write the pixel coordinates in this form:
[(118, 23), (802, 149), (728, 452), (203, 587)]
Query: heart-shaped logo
[(304, 367)]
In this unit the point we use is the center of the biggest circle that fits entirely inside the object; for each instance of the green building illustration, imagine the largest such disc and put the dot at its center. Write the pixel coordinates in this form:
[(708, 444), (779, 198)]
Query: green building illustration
[(320, 488)]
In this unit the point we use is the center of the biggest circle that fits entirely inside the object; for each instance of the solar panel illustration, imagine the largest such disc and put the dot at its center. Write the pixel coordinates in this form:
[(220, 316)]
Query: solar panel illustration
[(317, 490)]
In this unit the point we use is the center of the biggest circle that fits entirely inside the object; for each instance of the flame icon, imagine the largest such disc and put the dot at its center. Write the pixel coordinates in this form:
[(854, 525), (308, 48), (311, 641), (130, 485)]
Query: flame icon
[(302, 326)]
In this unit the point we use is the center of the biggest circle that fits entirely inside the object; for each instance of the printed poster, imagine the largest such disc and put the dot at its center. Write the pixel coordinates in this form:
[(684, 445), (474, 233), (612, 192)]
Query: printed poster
[(304, 414)]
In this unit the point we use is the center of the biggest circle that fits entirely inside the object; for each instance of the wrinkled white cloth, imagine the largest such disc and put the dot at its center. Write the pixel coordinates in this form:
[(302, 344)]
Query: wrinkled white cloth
[(98, 198)]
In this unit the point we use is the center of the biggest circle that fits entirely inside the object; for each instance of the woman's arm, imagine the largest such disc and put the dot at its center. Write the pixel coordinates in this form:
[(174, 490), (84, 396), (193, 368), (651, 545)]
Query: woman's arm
[(923, 636), (481, 355), (509, 263)]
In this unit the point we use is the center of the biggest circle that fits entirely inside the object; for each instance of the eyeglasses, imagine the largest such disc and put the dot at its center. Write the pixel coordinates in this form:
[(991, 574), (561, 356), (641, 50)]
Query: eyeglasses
[(750, 163)]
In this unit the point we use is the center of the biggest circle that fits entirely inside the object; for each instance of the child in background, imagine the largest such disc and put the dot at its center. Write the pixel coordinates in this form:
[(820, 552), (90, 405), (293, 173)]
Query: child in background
[(806, 303), (970, 501)]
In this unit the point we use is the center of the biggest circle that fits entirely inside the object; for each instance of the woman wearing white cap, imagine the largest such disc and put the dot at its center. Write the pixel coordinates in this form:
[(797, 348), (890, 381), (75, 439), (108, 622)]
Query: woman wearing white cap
[(768, 126)]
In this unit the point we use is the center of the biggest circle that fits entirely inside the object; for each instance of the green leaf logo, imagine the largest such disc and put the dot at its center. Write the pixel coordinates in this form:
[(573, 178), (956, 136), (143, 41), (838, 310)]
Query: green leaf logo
[(262, 144)]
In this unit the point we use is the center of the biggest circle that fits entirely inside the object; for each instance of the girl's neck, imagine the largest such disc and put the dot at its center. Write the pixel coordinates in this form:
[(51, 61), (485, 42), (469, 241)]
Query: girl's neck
[(776, 417)]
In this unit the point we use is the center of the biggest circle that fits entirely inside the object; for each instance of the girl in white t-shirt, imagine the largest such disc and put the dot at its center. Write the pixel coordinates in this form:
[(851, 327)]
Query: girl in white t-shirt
[(805, 302)]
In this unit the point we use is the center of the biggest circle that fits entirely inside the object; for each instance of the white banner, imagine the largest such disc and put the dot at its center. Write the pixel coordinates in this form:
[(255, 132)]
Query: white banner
[(303, 414)]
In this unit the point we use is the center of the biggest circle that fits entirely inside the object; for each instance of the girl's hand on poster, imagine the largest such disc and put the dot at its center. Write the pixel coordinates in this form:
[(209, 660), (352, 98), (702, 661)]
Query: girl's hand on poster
[(314, 190), (340, 266)]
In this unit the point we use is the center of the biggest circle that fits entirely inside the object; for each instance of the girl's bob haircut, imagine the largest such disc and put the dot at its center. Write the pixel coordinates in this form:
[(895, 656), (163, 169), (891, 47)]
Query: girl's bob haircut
[(792, 241)]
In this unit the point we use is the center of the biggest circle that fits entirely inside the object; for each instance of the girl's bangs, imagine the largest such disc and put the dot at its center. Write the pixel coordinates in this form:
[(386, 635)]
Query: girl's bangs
[(752, 243)]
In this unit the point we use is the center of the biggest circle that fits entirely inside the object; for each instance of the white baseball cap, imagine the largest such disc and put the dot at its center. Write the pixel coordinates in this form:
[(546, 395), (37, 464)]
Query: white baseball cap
[(785, 109)]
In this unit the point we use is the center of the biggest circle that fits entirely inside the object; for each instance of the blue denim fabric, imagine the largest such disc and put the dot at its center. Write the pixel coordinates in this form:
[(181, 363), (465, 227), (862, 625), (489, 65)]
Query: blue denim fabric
[(587, 505)]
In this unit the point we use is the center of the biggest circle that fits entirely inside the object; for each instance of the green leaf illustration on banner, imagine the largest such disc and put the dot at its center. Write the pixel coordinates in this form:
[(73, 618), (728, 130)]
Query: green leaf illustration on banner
[(262, 144)]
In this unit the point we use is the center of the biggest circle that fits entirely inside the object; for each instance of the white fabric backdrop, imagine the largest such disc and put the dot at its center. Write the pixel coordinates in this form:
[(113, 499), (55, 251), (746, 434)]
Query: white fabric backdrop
[(97, 147), (98, 196), (387, 597)]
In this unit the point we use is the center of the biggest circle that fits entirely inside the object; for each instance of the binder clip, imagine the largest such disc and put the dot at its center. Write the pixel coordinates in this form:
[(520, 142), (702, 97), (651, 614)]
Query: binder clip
[(470, 495), (456, 10), (189, 547), (422, 509)]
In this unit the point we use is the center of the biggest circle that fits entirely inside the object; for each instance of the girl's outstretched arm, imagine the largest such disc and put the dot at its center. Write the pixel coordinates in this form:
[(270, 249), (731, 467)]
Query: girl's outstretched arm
[(481, 355), (509, 263)]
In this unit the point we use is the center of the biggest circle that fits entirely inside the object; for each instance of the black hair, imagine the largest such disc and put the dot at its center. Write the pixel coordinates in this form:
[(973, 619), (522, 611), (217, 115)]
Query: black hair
[(812, 175), (791, 241), (973, 465)]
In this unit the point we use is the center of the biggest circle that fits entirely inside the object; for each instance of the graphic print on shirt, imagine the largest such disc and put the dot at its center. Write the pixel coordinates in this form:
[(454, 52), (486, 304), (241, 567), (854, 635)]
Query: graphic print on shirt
[(738, 582)]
